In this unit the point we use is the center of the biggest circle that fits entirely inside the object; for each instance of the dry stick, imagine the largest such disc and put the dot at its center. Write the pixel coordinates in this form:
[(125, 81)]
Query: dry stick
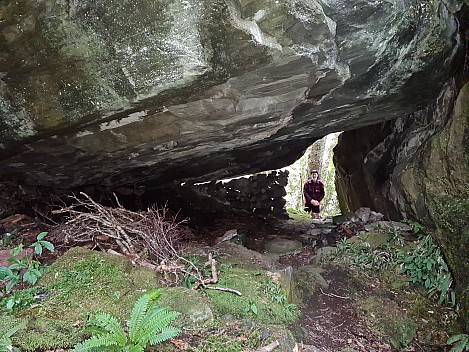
[(333, 295), (203, 282), (225, 289), (270, 347)]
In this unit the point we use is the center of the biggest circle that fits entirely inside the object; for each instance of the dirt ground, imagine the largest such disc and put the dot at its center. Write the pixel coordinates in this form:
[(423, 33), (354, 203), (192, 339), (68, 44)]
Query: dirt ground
[(329, 320)]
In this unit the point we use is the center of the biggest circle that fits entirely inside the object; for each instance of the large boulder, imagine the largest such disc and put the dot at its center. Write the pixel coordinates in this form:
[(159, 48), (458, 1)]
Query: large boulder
[(416, 168), (147, 92)]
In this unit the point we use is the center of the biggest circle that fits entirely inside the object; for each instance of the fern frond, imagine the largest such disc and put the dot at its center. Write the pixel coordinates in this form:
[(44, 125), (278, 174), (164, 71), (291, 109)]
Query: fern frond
[(166, 333), (157, 323), (80, 347), (140, 309), (97, 343), (111, 325), (137, 348), (139, 332), (145, 324), (95, 330)]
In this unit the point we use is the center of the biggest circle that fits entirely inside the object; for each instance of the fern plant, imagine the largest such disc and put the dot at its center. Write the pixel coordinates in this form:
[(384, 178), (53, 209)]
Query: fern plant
[(148, 324), (6, 345), (460, 343)]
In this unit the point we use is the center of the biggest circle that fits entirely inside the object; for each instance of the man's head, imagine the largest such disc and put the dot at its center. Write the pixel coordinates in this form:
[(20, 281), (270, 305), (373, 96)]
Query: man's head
[(314, 174)]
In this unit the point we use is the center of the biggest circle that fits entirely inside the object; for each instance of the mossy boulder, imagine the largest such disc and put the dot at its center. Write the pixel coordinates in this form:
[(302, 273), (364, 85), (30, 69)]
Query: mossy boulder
[(79, 284), (82, 283), (437, 187)]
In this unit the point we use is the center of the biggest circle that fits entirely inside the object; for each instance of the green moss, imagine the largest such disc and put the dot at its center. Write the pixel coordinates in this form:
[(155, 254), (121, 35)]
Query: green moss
[(386, 319), (254, 302), (451, 212), (42, 333), (307, 279), (86, 281), (227, 343), (79, 284), (194, 305), (436, 321)]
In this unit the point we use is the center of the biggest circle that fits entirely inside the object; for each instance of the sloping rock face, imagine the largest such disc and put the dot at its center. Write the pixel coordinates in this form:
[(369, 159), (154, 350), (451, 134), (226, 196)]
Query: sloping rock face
[(417, 168), (146, 92)]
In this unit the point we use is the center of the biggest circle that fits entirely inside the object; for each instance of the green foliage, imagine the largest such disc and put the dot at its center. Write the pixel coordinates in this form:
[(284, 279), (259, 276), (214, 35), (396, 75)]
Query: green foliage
[(395, 237), (21, 270), (251, 308), (25, 269), (361, 255), (41, 334), (19, 299), (273, 290), (8, 238), (298, 214), (193, 266), (426, 266), (243, 279), (41, 243), (148, 324), (6, 345), (459, 342), (415, 226)]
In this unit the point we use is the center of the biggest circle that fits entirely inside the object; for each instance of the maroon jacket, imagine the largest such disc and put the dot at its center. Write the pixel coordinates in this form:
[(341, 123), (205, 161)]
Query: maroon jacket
[(313, 190)]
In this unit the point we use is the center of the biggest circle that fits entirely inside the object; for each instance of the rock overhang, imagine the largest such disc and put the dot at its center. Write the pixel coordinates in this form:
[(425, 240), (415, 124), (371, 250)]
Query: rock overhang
[(197, 90)]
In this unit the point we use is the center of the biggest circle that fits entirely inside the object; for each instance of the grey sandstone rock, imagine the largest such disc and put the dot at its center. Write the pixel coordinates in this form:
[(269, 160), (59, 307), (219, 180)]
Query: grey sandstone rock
[(145, 93)]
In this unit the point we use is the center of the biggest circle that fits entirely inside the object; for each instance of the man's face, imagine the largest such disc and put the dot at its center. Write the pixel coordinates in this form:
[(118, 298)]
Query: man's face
[(314, 176)]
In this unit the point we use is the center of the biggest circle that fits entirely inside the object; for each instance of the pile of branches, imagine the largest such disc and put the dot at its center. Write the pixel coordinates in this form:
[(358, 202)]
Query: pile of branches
[(150, 238), (154, 233)]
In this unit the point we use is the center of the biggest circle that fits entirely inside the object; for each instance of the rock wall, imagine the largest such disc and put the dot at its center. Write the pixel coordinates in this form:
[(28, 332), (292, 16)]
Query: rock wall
[(261, 194), (141, 92), (417, 168)]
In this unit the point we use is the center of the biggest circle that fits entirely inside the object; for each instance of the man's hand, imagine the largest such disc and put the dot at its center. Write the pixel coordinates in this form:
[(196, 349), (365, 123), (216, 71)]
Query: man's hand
[(314, 202)]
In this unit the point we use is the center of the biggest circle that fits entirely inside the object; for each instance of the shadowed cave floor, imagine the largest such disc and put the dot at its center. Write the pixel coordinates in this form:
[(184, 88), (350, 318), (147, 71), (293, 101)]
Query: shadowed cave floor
[(333, 317)]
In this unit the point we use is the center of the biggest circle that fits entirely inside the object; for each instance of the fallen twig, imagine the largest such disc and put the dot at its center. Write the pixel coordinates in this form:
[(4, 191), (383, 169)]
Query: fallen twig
[(225, 289), (269, 347), (214, 279), (333, 295)]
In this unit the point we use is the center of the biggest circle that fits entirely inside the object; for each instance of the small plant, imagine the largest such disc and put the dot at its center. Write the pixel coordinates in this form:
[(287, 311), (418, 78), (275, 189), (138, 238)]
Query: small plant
[(273, 290), (41, 243), (426, 266), (460, 343), (395, 237), (148, 324), (25, 269), (194, 268), (361, 255), (19, 299), (6, 345), (417, 228), (251, 308), (8, 238)]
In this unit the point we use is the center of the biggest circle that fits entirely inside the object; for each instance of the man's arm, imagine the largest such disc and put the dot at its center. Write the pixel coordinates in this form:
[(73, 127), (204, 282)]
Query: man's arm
[(305, 193), (322, 192)]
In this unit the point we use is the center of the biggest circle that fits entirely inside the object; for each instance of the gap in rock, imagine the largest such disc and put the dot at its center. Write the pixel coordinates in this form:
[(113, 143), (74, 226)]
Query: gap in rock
[(317, 157)]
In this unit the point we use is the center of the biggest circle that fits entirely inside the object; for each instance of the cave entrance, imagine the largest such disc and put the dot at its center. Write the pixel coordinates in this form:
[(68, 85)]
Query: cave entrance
[(317, 157), (277, 193)]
